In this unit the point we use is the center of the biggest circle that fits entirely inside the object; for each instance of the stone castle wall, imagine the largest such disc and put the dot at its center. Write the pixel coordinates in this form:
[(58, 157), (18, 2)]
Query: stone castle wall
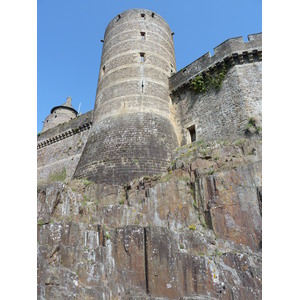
[(60, 148), (221, 114), (137, 123), (133, 133), (193, 232)]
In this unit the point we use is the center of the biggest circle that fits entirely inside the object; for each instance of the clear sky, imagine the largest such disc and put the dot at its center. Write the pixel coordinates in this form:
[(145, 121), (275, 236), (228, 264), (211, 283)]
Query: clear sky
[(69, 34)]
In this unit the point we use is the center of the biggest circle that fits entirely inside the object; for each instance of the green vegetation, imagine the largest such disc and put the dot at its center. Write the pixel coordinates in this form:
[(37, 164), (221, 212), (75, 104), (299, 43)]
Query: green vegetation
[(184, 178), (87, 182), (136, 162), (40, 222), (206, 81), (258, 129), (181, 246), (164, 178), (192, 227), (85, 200), (204, 152), (211, 171), (241, 142), (199, 85), (59, 176), (252, 126), (107, 235), (203, 222), (121, 202)]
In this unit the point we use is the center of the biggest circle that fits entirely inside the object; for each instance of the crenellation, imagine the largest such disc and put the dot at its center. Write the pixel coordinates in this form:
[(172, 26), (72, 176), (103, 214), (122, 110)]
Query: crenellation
[(222, 53), (144, 109), (158, 192)]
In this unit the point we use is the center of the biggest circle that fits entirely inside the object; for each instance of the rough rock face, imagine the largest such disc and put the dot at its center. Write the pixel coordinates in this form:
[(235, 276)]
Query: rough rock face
[(192, 233)]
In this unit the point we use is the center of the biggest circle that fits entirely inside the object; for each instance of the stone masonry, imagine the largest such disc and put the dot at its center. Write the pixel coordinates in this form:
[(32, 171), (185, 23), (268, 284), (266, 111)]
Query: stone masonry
[(133, 133), (144, 109), (157, 192)]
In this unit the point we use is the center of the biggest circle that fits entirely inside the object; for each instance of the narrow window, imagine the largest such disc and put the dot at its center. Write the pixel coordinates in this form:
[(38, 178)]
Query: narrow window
[(143, 16), (143, 35), (192, 134), (153, 15), (142, 57), (172, 68), (103, 70)]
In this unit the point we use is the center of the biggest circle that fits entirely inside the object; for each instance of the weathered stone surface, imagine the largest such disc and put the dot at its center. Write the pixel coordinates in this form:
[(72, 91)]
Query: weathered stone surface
[(133, 132), (60, 148), (222, 114), (188, 234)]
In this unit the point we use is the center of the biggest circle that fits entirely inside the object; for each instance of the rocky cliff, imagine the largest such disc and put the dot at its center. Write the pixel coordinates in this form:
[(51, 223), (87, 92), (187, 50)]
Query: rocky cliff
[(191, 233)]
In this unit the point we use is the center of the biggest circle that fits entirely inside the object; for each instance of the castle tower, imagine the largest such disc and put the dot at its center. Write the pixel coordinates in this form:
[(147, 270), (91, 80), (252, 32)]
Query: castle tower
[(60, 114), (133, 132)]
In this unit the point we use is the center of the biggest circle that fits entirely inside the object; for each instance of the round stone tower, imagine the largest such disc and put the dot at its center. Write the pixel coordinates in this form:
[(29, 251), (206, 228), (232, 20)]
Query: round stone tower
[(60, 114), (133, 132)]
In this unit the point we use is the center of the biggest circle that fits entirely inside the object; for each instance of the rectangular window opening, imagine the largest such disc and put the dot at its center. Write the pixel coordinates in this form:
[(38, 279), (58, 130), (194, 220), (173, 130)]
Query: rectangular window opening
[(192, 134), (142, 57), (143, 16), (103, 70), (143, 35)]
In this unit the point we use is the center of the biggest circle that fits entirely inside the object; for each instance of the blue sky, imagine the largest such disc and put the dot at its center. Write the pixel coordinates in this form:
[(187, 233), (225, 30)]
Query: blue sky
[(69, 34)]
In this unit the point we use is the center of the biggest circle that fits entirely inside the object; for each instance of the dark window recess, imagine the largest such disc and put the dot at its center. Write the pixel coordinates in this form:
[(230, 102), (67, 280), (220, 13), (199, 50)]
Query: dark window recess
[(142, 57), (192, 132), (103, 70), (143, 35), (143, 16), (55, 116), (119, 17), (153, 14)]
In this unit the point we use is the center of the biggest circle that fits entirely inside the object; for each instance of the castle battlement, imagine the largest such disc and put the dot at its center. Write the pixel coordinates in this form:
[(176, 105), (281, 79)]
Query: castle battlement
[(141, 114), (64, 135), (80, 122), (234, 51)]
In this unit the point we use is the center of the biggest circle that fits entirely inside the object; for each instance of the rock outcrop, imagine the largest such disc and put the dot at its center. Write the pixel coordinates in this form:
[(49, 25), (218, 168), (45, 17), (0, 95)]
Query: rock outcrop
[(191, 233)]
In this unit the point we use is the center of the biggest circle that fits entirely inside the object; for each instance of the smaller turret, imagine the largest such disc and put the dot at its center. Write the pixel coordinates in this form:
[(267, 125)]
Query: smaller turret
[(60, 114)]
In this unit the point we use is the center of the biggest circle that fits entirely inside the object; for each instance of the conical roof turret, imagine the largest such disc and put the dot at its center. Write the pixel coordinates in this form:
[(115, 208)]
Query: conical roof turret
[(60, 114)]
